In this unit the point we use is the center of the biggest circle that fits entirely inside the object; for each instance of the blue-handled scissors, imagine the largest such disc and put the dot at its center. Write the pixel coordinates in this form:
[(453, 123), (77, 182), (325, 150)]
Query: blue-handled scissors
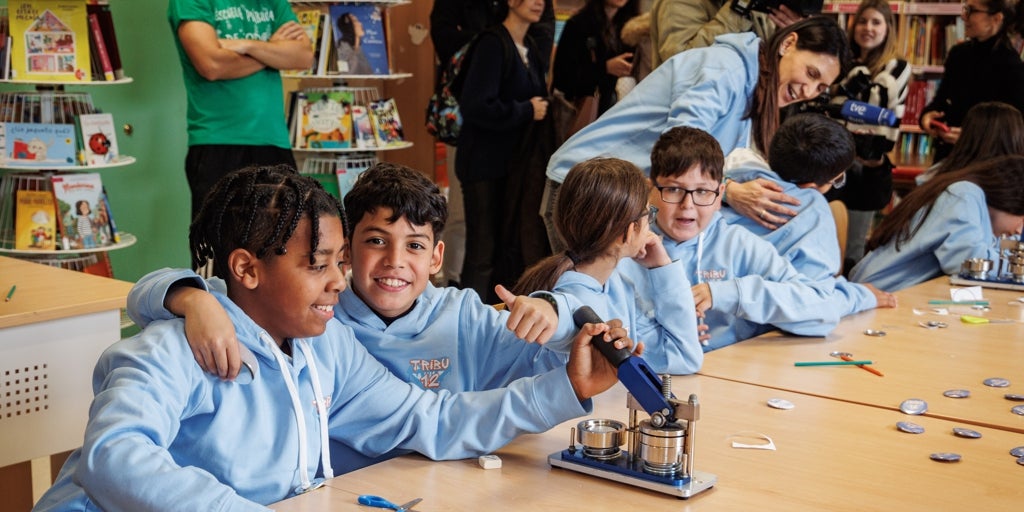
[(377, 501)]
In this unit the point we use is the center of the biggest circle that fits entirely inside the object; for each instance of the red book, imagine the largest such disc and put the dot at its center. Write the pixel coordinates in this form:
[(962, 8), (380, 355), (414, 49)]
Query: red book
[(102, 12), (96, 36)]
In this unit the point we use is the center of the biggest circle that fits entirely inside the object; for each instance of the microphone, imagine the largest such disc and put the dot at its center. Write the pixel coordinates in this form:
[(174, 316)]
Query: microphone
[(864, 113)]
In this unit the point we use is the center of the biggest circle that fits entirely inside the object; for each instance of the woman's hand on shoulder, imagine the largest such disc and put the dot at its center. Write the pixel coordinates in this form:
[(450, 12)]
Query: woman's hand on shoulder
[(761, 200)]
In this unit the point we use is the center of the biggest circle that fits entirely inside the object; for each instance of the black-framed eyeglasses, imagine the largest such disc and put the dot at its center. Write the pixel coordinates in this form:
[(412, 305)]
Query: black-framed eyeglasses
[(839, 181), (700, 196), (651, 214), (968, 10)]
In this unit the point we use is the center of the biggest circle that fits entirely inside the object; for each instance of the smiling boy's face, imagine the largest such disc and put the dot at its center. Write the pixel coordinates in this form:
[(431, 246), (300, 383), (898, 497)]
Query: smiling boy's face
[(392, 262), (683, 221), (294, 298)]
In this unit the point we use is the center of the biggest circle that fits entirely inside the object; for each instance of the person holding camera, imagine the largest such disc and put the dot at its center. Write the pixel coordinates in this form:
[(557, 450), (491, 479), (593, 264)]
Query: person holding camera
[(679, 25), (879, 78), (986, 67)]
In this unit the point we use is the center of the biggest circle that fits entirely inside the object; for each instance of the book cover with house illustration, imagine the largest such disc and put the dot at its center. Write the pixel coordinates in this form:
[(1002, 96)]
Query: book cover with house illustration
[(50, 40)]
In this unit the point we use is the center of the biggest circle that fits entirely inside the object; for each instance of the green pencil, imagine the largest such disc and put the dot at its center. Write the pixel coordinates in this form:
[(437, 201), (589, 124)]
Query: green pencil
[(10, 293), (830, 363)]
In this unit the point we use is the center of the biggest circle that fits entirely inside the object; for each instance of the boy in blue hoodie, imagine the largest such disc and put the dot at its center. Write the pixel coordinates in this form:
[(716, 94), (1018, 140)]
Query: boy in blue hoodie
[(438, 338), (164, 435), (741, 285), (809, 155)]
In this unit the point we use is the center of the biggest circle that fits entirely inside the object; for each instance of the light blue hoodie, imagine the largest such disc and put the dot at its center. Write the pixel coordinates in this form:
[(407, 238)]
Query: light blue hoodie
[(957, 228), (753, 289), (655, 306), (808, 240), (162, 434), (449, 340), (708, 88)]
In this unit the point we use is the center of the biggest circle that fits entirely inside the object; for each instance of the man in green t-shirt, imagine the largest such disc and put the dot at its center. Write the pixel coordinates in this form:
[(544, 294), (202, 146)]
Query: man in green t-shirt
[(231, 53)]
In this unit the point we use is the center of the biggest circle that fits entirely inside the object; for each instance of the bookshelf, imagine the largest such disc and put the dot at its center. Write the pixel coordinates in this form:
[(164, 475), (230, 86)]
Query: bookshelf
[(45, 104), (335, 167), (926, 31)]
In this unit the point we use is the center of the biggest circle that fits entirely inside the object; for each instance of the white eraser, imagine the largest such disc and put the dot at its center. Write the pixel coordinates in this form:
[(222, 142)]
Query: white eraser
[(489, 461)]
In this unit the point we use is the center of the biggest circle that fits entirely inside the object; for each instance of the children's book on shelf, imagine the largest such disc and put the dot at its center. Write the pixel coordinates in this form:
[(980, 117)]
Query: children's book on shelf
[(39, 144), (362, 128), (115, 236), (387, 126), (327, 119), (50, 40), (359, 39), (310, 21), (347, 170), (84, 217), (35, 220), (99, 139)]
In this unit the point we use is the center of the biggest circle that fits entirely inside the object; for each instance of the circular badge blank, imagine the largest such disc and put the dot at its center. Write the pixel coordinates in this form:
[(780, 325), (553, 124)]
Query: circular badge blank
[(780, 403)]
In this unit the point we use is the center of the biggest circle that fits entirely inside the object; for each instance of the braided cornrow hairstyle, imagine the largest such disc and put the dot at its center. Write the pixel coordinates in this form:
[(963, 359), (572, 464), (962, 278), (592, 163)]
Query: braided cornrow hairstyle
[(258, 209)]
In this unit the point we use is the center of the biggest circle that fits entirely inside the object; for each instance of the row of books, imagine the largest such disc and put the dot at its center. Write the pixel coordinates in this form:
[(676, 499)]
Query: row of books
[(920, 93), (89, 141), (347, 39), (59, 41), (913, 150), (331, 119), (74, 215), (927, 39)]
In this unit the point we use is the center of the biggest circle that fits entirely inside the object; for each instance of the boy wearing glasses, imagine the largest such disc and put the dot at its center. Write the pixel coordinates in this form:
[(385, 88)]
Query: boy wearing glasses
[(741, 285)]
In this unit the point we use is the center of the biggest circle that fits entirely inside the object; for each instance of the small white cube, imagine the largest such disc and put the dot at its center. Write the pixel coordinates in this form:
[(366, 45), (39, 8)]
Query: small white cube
[(489, 461)]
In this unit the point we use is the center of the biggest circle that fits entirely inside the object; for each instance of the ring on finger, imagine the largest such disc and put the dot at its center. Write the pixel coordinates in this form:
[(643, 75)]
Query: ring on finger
[(762, 214)]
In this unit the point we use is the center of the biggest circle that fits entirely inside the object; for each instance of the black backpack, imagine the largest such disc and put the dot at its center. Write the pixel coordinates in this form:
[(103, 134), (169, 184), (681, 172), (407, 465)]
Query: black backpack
[(443, 117)]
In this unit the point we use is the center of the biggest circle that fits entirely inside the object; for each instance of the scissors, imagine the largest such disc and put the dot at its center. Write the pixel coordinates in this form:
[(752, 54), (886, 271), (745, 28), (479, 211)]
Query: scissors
[(377, 501)]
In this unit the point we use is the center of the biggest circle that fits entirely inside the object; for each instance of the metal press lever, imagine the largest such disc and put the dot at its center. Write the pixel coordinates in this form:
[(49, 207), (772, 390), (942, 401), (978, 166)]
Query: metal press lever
[(642, 382)]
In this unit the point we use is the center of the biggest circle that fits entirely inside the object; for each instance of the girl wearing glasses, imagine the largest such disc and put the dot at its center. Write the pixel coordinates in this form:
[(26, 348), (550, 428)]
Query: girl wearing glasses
[(943, 222), (617, 266), (732, 89), (986, 67)]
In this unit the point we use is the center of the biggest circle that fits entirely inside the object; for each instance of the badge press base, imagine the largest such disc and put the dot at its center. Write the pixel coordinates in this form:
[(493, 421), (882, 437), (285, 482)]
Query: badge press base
[(660, 449), (980, 272)]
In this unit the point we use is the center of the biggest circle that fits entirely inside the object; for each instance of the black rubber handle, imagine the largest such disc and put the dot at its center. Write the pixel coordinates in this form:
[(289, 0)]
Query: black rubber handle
[(585, 315)]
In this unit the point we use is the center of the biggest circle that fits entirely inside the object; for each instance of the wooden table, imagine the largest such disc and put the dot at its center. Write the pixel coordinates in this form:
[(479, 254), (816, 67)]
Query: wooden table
[(917, 362), (51, 333), (831, 455)]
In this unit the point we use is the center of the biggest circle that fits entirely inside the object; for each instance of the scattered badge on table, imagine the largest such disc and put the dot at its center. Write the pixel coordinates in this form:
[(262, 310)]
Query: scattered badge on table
[(1020, 460), (957, 393), (945, 457), (910, 428), (1014, 397), (1018, 410), (997, 382), (966, 432), (874, 332), (914, 406), (780, 403), (1018, 451)]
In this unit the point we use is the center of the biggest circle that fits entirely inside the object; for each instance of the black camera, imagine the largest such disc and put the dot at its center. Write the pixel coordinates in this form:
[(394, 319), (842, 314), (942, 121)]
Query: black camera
[(801, 7)]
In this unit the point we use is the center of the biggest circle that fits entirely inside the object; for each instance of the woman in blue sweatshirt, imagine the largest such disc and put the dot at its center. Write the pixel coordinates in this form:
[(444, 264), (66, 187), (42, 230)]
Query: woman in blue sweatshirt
[(732, 90)]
